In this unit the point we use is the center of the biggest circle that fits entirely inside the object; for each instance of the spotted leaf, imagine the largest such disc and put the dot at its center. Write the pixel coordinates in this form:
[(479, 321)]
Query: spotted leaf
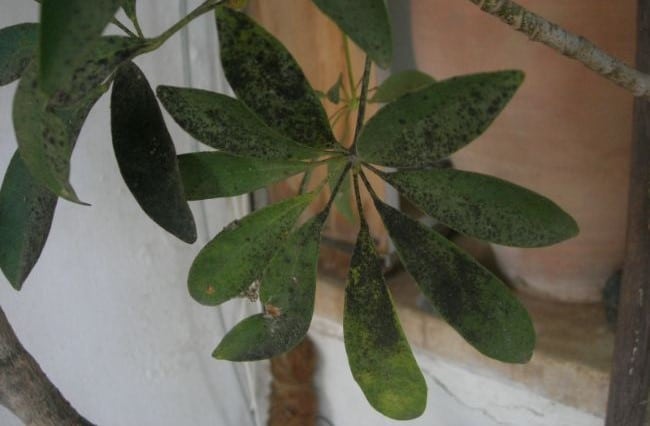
[(424, 127), (468, 296), (485, 207), (18, 45), (379, 355), (287, 293), (228, 125), (398, 85), (268, 80), (238, 255)]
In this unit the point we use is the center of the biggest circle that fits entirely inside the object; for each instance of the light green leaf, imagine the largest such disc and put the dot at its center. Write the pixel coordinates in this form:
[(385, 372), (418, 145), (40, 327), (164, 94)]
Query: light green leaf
[(214, 174), (237, 256), (287, 292), (146, 155), (468, 296), (26, 213), (379, 355), (268, 80), (398, 85), (44, 142), (366, 22), (228, 125), (69, 31), (334, 92), (107, 54), (421, 128), (343, 198), (18, 45), (485, 207)]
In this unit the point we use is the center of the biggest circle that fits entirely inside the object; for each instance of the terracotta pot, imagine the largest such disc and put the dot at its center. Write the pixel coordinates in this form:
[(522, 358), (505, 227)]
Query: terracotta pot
[(566, 134)]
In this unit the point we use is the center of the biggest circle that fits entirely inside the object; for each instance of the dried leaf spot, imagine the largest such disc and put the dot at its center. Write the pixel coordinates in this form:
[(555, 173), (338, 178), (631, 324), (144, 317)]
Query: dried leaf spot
[(272, 311)]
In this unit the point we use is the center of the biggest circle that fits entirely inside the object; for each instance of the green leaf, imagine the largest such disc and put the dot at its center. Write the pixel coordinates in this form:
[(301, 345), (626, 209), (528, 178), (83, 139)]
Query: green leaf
[(398, 85), (228, 125), (129, 7), (343, 198), (485, 207), (334, 92), (268, 80), (287, 291), (146, 155), (237, 256), (44, 142), (18, 45), (424, 127), (26, 213), (107, 54), (366, 22), (379, 355), (214, 174), (468, 296), (69, 31)]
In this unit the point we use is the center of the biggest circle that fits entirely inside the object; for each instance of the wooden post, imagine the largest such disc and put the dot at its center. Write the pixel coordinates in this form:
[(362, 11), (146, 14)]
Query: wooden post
[(630, 377)]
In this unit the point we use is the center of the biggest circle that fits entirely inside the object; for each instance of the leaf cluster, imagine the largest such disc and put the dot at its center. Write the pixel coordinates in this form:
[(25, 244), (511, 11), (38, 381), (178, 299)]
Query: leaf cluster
[(276, 127)]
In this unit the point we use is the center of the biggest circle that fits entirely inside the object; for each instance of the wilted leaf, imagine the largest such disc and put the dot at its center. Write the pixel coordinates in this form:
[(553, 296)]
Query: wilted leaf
[(485, 207), (214, 174), (237, 256), (424, 127), (379, 355), (268, 80), (107, 54), (366, 22), (69, 30), (18, 45), (26, 212), (287, 292), (398, 85), (467, 295), (146, 155), (342, 199), (226, 124)]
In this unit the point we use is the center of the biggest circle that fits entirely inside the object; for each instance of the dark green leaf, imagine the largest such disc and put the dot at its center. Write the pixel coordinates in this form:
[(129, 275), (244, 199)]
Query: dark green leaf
[(18, 45), (237, 256), (287, 292), (228, 125), (342, 199), (108, 53), (398, 85), (334, 92), (44, 142), (467, 295), (485, 207), (366, 22), (379, 355), (26, 212), (268, 80), (145, 153), (424, 127), (130, 9), (215, 174), (69, 31)]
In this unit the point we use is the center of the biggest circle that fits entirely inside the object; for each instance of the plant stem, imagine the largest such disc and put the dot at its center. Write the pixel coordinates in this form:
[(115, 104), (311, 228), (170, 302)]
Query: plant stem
[(336, 188), (366, 182), (124, 28), (136, 24), (362, 104), (537, 28), (348, 65), (204, 8)]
